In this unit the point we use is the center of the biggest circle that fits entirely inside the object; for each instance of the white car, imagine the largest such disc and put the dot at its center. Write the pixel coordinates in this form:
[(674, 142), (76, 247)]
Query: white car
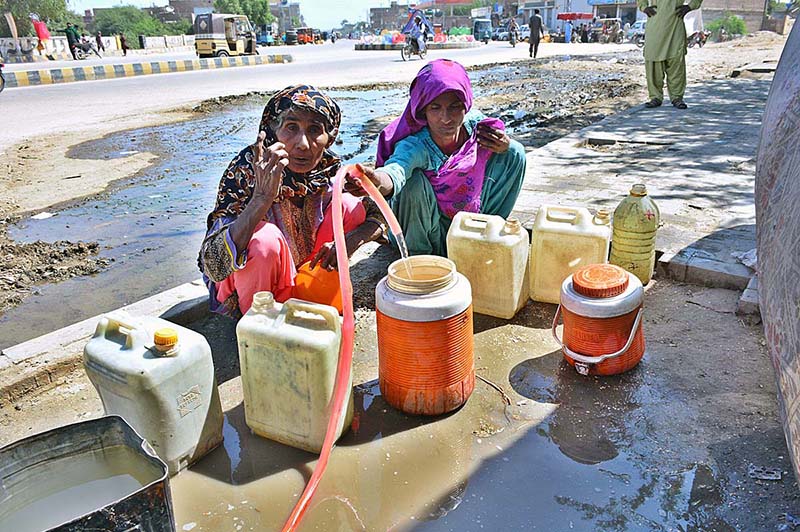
[(524, 32)]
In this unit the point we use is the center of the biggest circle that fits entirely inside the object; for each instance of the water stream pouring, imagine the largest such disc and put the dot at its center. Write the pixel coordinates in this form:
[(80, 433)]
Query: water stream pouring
[(346, 351)]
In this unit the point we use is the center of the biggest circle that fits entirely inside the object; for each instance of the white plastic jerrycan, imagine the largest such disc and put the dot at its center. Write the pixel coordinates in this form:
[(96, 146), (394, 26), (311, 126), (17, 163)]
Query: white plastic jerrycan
[(288, 356), (159, 376), (565, 239), (493, 254)]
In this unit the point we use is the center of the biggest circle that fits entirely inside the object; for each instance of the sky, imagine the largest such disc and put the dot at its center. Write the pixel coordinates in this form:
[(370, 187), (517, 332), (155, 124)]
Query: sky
[(321, 14)]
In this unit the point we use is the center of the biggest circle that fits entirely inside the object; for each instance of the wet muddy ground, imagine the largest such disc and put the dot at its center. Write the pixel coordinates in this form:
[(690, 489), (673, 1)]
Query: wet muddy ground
[(668, 446), (143, 234)]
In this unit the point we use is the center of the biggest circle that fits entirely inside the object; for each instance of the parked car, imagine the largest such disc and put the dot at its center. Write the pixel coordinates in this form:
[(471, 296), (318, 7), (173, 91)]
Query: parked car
[(636, 29), (265, 39), (524, 33)]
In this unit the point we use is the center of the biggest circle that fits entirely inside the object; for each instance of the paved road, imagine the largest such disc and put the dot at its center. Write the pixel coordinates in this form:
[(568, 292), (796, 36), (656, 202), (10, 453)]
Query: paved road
[(55, 109), (299, 51)]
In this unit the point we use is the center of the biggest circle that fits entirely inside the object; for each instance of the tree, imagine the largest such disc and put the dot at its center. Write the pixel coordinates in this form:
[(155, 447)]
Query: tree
[(133, 22), (732, 24), (228, 6), (53, 12), (255, 10)]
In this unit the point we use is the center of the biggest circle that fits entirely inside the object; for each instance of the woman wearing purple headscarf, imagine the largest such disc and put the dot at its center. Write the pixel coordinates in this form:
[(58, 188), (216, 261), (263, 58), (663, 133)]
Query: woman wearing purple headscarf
[(441, 156)]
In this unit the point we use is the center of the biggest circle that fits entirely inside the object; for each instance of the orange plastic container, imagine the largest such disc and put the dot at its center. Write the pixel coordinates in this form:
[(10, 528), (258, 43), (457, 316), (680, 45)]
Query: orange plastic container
[(318, 286), (602, 309), (425, 346)]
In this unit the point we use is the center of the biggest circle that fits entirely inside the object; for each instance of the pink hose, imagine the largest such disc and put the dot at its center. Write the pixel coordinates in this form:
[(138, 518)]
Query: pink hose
[(343, 368)]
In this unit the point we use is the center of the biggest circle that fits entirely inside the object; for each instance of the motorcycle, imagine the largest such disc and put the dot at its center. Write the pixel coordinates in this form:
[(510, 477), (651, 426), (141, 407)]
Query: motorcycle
[(2, 78), (512, 37), (638, 40), (83, 49), (698, 38), (410, 47)]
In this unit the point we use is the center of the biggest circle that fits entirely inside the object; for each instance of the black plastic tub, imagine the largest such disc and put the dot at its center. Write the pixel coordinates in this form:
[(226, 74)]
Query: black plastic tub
[(93, 475)]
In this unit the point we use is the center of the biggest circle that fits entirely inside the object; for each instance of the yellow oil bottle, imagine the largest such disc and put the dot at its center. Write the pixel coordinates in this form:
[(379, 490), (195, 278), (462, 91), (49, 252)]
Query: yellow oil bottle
[(633, 242)]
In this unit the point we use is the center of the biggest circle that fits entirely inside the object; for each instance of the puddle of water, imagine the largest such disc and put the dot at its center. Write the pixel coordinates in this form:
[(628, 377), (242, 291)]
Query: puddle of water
[(153, 229), (59, 491), (569, 453)]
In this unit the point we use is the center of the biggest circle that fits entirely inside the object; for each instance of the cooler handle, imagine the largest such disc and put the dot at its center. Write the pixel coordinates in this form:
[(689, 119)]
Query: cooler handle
[(563, 214), (292, 306), (583, 359)]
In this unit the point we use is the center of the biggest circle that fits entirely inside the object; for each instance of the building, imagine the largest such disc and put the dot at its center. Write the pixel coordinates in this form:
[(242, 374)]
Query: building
[(287, 14), (389, 18), (186, 9), (751, 11), (622, 9)]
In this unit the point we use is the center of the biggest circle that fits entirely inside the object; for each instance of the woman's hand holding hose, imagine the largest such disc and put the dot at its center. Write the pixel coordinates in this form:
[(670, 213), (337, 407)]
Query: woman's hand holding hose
[(381, 180)]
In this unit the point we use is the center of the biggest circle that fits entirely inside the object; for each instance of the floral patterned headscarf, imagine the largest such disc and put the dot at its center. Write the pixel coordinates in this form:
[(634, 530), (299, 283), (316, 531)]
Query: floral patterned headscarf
[(304, 97), (238, 181)]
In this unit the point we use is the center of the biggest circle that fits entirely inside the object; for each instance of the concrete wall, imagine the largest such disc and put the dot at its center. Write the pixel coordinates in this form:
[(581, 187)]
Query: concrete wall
[(55, 45), (167, 41), (752, 11)]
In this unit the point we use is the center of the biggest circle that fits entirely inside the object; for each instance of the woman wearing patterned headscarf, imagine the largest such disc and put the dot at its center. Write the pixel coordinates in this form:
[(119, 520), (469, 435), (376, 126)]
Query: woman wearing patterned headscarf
[(441, 156), (273, 208)]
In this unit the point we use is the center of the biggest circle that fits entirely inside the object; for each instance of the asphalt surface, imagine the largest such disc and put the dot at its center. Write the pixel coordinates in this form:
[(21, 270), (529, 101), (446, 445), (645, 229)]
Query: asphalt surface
[(81, 106)]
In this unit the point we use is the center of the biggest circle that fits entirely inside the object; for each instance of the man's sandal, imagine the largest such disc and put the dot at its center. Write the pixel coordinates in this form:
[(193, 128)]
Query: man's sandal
[(678, 103), (655, 102)]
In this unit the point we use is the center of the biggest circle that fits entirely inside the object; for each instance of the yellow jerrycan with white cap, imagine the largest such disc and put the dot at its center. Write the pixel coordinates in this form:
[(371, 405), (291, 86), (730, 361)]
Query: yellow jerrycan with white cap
[(565, 239), (493, 254), (159, 377), (633, 244), (288, 354)]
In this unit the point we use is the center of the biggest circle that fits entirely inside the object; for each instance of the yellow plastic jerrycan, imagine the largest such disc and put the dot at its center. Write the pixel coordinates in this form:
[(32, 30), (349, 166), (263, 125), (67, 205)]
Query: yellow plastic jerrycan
[(288, 356), (493, 254), (565, 239), (633, 244)]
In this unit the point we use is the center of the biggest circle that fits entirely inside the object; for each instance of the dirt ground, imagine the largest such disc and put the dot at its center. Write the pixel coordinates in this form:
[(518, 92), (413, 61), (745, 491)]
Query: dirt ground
[(678, 436), (557, 96)]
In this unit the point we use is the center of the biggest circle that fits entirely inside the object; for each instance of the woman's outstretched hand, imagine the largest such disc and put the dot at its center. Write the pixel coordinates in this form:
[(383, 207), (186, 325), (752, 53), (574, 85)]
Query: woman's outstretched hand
[(268, 164), (493, 139), (381, 181)]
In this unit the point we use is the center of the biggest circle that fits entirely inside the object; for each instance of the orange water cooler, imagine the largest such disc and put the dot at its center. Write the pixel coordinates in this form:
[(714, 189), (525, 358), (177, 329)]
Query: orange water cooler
[(601, 306), (425, 346)]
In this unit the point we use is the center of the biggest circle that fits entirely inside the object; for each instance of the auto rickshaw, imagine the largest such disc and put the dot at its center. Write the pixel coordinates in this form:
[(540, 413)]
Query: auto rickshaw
[(482, 29), (305, 35), (221, 35)]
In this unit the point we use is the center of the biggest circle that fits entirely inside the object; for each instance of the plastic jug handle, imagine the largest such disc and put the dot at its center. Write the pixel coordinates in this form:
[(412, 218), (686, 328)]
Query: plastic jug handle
[(118, 322), (477, 222), (293, 306), (563, 214)]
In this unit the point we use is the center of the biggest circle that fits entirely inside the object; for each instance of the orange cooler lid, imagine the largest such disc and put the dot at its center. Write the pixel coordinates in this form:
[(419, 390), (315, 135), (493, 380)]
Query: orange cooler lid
[(600, 281)]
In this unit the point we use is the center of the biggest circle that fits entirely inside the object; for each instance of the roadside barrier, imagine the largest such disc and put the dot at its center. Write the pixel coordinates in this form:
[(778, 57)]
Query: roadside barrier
[(49, 76)]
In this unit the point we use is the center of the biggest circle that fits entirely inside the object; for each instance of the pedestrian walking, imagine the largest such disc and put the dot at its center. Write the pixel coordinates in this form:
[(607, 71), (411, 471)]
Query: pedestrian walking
[(99, 39), (536, 25), (123, 44), (665, 49)]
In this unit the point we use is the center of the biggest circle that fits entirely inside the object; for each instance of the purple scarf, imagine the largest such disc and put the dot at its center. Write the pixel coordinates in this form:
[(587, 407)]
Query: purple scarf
[(459, 182)]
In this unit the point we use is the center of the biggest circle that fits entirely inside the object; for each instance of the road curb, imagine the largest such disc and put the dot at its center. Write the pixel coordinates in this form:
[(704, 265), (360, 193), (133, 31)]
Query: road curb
[(41, 362), (431, 46), (48, 76)]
